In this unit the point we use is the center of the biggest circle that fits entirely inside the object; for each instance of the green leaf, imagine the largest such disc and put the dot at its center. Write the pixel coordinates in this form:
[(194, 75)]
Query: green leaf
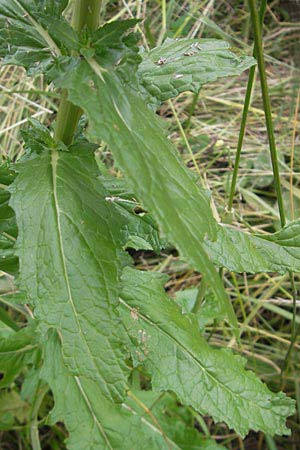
[(177, 421), (236, 250), (111, 35), (242, 252), (37, 138), (151, 164), (16, 350), (68, 248), (288, 237), (208, 311), (12, 409), (33, 32), (180, 65), (8, 226), (140, 230), (172, 349), (117, 50), (79, 400)]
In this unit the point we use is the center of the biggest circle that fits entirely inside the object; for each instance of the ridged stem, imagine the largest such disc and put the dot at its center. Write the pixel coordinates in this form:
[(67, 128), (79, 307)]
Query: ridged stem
[(274, 158), (244, 116), (86, 14), (267, 105)]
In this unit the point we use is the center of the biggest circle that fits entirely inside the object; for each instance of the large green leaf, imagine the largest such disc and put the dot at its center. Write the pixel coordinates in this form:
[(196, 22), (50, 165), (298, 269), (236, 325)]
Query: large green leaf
[(33, 31), (151, 164), (140, 230), (177, 421), (13, 410), (180, 65), (209, 310), (242, 252), (172, 349), (79, 400), (16, 351), (68, 248), (8, 226)]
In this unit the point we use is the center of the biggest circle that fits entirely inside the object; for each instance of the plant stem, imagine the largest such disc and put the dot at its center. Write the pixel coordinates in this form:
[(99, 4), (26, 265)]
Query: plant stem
[(34, 429), (67, 119), (244, 116), (267, 105), (269, 123), (86, 14), (200, 296)]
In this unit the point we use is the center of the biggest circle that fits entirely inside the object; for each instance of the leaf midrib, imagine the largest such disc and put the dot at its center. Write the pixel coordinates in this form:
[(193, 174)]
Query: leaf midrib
[(90, 408), (54, 161)]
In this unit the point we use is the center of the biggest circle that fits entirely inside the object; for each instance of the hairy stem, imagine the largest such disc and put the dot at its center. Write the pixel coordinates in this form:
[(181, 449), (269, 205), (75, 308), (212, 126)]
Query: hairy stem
[(86, 14), (244, 116), (267, 105)]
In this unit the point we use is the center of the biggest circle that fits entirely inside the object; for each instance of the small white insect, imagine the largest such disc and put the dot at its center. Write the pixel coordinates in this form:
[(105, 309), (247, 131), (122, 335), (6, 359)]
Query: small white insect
[(190, 53), (161, 61), (178, 75)]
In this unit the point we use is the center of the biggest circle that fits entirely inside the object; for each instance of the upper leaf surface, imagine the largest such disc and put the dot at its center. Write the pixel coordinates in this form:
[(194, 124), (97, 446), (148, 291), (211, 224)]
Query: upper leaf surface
[(243, 252), (13, 410), (186, 64), (140, 230), (176, 420), (151, 164), (79, 400), (15, 351), (179, 358), (33, 32), (8, 226), (68, 248)]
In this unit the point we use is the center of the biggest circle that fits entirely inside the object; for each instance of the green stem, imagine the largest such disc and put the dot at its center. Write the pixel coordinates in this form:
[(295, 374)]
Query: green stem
[(244, 116), (34, 429), (86, 14), (200, 296), (295, 328), (270, 442), (269, 123), (267, 105), (67, 119), (192, 109)]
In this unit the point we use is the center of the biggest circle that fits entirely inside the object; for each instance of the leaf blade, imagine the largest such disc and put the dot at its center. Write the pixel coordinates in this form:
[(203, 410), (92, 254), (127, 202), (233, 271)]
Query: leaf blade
[(106, 425), (211, 380), (70, 261), (239, 251), (167, 190), (187, 64)]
